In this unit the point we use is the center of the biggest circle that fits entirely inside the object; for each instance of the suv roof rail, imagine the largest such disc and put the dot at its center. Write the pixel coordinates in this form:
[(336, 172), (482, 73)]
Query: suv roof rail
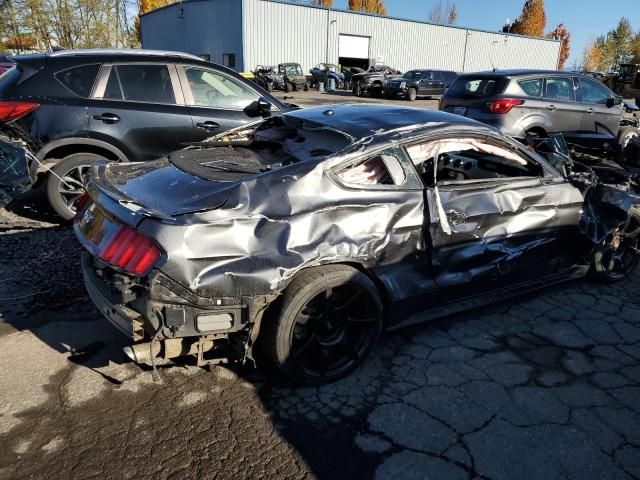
[(125, 51)]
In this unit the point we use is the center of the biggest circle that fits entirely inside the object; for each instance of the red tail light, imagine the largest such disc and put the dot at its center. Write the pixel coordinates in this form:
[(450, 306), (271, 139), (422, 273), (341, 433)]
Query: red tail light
[(131, 251), (10, 111), (81, 201), (504, 105)]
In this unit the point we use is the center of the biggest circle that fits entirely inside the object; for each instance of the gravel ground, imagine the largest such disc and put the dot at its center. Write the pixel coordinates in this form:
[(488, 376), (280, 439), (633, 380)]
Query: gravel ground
[(544, 386)]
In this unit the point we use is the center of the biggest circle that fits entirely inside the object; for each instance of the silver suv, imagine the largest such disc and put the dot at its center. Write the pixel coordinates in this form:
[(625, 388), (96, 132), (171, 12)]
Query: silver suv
[(521, 102)]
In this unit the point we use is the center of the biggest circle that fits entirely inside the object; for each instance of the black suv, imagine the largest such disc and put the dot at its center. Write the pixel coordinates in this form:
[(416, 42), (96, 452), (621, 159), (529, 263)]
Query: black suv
[(416, 83), (76, 107)]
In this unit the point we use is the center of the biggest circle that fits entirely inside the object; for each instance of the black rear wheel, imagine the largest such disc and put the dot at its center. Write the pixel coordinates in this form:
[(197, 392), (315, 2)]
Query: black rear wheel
[(616, 257), (330, 319)]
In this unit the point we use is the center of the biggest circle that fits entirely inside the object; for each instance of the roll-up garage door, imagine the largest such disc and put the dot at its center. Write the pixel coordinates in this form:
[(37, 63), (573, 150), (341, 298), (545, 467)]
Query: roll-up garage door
[(352, 46)]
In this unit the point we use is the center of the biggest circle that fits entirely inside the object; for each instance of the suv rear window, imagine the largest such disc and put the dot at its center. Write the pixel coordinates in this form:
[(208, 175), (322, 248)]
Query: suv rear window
[(477, 87), (79, 79)]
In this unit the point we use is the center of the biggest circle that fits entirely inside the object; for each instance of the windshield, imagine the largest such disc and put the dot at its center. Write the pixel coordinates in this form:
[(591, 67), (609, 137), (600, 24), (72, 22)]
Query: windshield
[(477, 87), (293, 70), (412, 74)]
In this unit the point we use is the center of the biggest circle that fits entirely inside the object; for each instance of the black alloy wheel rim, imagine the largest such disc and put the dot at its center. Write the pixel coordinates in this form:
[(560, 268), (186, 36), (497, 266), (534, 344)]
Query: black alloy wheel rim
[(619, 255), (334, 331)]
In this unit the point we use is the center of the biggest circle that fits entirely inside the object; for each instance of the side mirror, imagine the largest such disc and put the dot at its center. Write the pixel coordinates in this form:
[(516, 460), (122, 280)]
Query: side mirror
[(258, 108), (613, 101), (264, 107)]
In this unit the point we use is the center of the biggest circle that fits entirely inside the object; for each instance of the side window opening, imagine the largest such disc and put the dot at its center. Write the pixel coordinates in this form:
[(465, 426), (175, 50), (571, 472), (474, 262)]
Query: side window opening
[(212, 89), (462, 159), (592, 92), (140, 83), (381, 169), (113, 91), (561, 88), (80, 79), (533, 87)]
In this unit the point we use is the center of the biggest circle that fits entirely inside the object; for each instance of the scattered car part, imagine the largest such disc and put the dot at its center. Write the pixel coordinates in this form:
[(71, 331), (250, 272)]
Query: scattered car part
[(17, 169)]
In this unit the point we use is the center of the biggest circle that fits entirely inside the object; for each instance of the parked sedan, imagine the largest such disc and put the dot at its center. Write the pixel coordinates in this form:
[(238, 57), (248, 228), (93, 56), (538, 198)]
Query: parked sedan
[(308, 234), (416, 83), (74, 108)]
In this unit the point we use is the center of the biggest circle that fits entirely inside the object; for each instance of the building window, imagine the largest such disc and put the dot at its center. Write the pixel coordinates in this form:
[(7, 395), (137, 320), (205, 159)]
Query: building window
[(229, 60)]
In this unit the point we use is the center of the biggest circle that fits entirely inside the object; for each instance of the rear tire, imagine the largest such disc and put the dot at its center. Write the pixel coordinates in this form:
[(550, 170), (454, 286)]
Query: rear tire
[(61, 195), (330, 319), (615, 258)]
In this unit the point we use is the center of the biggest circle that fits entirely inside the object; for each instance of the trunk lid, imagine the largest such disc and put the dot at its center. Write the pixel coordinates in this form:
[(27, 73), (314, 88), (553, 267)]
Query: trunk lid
[(184, 182)]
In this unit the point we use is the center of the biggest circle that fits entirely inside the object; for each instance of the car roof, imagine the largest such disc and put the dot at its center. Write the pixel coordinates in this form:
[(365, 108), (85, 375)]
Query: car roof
[(517, 73), (104, 52), (362, 120)]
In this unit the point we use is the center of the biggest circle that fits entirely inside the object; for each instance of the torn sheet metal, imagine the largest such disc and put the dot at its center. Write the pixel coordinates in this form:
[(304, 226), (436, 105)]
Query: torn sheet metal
[(16, 175)]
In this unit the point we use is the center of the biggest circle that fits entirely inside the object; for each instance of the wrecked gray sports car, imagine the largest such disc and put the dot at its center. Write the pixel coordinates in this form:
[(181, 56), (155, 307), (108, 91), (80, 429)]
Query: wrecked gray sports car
[(307, 234)]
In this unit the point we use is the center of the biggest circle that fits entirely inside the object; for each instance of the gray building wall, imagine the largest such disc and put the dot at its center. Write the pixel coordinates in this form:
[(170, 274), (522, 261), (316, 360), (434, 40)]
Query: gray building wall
[(271, 32), (200, 27)]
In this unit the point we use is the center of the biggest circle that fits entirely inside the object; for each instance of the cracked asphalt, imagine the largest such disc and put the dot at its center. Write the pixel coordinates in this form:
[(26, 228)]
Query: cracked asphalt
[(545, 386)]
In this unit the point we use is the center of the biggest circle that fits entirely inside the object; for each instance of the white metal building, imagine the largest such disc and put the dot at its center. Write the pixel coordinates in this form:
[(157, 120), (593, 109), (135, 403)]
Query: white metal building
[(245, 33)]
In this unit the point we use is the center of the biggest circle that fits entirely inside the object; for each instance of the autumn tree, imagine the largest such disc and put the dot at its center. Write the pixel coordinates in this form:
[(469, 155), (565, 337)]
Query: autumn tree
[(146, 6), (322, 3), (532, 21), (561, 33), (369, 6), (592, 57), (443, 14)]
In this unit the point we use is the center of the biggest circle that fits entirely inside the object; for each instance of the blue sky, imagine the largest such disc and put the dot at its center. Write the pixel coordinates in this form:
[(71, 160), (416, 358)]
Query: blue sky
[(585, 19)]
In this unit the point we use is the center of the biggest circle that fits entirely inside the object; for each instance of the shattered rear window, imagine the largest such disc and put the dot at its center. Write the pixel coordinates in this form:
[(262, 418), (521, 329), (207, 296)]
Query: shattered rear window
[(256, 149)]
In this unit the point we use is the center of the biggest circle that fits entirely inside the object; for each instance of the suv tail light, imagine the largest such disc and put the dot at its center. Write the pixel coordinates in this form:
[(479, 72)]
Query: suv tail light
[(10, 111), (131, 251), (503, 105)]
